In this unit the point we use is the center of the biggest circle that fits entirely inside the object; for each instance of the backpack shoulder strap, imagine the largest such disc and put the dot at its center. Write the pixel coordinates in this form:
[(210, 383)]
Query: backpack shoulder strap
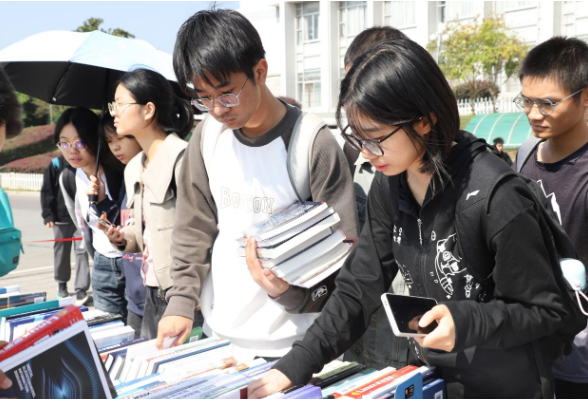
[(300, 153), (525, 152), (6, 220), (55, 163), (211, 130)]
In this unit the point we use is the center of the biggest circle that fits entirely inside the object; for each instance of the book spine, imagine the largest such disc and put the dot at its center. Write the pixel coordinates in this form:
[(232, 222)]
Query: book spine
[(365, 390), (36, 307), (58, 321), (22, 300)]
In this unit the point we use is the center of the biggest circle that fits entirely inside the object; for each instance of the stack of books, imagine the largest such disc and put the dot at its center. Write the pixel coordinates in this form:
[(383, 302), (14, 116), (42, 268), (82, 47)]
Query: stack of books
[(10, 296), (298, 244), (62, 354)]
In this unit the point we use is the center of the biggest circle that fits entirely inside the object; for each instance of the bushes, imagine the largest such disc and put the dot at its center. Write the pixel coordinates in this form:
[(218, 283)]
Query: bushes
[(463, 91), (32, 165), (32, 141)]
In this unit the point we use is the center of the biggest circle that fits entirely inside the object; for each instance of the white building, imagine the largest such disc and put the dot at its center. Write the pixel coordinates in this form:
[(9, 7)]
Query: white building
[(306, 41)]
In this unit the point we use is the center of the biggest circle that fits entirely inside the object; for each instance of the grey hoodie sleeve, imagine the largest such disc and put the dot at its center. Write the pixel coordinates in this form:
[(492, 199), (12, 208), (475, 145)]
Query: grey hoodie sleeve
[(194, 232)]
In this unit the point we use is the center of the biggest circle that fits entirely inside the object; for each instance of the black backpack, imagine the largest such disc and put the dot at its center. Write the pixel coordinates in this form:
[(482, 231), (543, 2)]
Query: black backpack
[(486, 173)]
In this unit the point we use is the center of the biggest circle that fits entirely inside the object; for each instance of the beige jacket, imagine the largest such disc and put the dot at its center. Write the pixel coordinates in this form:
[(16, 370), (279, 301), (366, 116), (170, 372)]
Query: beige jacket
[(160, 196)]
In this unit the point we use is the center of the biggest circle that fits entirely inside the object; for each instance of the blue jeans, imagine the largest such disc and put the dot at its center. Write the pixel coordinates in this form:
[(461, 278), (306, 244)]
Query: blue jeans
[(108, 282)]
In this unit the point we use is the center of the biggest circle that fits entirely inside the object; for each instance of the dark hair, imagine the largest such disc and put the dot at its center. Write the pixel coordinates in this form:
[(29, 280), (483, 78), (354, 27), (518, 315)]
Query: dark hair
[(498, 140), (369, 38), (86, 123), (216, 42), (9, 107), (563, 59), (106, 127), (396, 83), (172, 113)]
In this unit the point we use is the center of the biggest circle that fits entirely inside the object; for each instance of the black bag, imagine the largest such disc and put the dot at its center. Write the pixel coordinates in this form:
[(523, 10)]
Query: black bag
[(486, 173)]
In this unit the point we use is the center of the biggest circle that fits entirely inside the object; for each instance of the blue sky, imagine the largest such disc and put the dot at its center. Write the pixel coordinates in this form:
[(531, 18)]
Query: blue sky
[(156, 22)]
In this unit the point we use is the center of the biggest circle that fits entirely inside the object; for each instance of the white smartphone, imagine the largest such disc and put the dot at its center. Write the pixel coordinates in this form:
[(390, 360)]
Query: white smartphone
[(108, 224), (404, 313)]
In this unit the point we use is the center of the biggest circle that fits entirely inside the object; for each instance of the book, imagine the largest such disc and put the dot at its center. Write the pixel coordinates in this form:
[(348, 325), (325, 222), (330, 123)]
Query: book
[(9, 289), (65, 365), (16, 325), (337, 375), (435, 390), (36, 307), (374, 388), (403, 375), (349, 382), (323, 267), (108, 337), (58, 321), (326, 218), (97, 319), (342, 391), (18, 300), (293, 215), (309, 256), (108, 349)]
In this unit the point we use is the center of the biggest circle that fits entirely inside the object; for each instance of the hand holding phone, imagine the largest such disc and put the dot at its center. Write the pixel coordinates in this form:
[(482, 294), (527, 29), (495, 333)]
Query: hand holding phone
[(405, 312), (104, 222)]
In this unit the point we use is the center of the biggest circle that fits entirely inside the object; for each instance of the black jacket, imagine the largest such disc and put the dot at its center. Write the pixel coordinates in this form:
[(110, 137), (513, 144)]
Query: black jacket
[(496, 333), (52, 203)]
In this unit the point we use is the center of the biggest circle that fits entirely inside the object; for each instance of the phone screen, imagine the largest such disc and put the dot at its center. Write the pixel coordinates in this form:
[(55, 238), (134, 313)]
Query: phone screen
[(408, 310)]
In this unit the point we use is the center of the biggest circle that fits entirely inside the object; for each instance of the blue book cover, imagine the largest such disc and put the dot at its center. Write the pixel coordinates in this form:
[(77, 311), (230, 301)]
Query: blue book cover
[(156, 364), (16, 320), (9, 289), (435, 390), (66, 370)]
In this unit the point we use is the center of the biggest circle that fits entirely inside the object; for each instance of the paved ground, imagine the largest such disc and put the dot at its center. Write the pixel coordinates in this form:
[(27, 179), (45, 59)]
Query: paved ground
[(35, 270)]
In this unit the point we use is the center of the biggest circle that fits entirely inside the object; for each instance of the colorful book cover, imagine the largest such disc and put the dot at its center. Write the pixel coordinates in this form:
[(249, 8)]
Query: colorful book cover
[(22, 300)]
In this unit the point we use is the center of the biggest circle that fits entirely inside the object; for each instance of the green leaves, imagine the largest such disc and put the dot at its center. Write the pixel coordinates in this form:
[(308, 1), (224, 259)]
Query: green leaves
[(479, 49), (93, 24)]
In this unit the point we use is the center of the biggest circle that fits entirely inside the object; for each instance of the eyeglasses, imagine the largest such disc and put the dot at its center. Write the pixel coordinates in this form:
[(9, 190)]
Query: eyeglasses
[(371, 145), (77, 144), (227, 100), (545, 106), (116, 108)]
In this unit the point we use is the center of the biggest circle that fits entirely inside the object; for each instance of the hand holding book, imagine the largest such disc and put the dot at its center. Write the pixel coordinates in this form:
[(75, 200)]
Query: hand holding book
[(264, 277)]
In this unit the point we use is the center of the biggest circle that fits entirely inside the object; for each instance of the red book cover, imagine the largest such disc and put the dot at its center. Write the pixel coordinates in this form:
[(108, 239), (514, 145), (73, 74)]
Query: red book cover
[(66, 317), (385, 380)]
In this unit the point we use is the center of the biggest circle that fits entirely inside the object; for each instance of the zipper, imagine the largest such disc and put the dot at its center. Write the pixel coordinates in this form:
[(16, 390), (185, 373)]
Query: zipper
[(420, 231)]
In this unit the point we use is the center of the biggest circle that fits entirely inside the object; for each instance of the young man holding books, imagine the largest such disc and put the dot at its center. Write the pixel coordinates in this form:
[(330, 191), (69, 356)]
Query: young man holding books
[(554, 76), (242, 180)]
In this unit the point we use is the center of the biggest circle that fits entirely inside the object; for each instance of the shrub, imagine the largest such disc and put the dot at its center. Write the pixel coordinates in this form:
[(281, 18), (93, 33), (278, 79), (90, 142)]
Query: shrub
[(32, 141), (484, 90), (32, 165)]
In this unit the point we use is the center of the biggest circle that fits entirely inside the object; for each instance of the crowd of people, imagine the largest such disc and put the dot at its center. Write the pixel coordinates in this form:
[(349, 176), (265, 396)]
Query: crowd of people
[(162, 231)]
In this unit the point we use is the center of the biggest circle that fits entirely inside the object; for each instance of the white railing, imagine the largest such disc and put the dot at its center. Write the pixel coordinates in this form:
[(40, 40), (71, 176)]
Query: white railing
[(20, 181), (484, 106)]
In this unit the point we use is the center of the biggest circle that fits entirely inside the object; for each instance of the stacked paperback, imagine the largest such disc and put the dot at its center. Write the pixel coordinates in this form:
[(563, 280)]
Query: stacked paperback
[(299, 244)]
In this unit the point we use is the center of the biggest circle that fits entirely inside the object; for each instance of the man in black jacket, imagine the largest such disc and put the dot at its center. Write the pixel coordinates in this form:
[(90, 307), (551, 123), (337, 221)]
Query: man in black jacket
[(499, 144), (56, 217)]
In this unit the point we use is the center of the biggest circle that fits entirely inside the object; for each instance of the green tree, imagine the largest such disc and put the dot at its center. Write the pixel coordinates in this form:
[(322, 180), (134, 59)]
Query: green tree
[(93, 24), (481, 48)]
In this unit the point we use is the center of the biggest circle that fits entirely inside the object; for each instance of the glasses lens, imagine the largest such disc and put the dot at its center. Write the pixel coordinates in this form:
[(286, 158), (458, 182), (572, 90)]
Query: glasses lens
[(228, 100), (111, 109), (545, 107), (79, 145), (519, 102), (63, 145), (373, 147), (202, 104)]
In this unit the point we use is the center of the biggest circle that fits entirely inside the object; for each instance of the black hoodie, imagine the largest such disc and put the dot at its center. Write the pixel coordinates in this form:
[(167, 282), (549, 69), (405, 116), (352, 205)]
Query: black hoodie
[(497, 334)]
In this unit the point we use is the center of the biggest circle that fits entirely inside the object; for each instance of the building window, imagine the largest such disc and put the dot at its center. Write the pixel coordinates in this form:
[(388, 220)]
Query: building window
[(441, 12), (309, 88), (400, 14), (307, 21), (575, 19), (352, 21)]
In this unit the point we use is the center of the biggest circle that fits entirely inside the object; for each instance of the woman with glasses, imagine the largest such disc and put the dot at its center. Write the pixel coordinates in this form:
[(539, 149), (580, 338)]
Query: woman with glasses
[(494, 332), (76, 133), (146, 107)]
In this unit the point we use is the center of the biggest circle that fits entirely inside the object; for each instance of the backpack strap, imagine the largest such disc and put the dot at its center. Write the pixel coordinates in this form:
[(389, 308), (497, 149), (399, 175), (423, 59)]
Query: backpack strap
[(6, 219), (55, 163), (525, 152), (211, 131), (300, 153)]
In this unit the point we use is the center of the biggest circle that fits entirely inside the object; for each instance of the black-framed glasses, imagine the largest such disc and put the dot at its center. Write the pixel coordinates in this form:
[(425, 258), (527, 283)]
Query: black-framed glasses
[(77, 144), (545, 106), (227, 100), (371, 145), (117, 108)]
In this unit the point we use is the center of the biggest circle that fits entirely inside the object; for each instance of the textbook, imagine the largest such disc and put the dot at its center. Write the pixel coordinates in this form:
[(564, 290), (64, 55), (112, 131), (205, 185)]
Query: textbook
[(65, 365), (18, 300), (9, 289), (36, 307), (295, 214), (116, 335)]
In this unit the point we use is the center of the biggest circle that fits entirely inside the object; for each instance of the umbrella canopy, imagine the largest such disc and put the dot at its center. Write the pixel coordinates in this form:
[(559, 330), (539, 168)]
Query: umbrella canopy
[(79, 69)]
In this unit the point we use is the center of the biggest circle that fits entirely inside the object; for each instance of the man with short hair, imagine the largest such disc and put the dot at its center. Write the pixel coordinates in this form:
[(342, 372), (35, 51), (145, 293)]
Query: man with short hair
[(554, 76), (499, 144), (241, 180)]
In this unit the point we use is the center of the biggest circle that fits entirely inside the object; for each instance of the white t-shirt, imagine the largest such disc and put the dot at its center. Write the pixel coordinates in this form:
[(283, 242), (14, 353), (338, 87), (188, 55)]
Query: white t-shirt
[(99, 239)]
